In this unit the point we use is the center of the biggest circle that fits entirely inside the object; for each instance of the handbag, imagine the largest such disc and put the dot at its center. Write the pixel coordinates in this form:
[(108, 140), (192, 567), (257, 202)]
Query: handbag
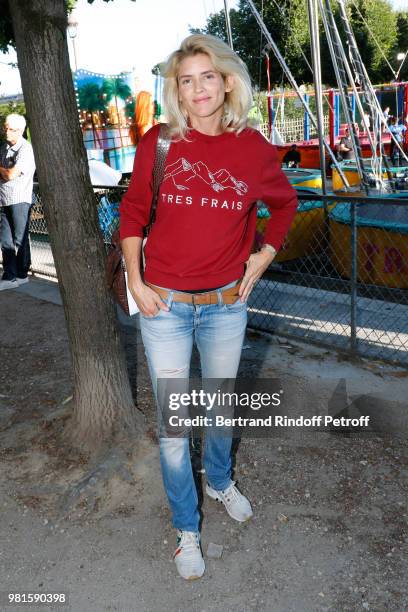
[(115, 262)]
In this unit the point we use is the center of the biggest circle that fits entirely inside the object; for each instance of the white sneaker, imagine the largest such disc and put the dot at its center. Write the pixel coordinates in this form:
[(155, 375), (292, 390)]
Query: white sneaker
[(8, 284), (187, 557), (22, 281), (236, 504)]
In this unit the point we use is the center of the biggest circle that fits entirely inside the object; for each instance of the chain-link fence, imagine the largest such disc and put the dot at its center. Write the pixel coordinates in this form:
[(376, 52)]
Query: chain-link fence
[(42, 261), (107, 200), (340, 279)]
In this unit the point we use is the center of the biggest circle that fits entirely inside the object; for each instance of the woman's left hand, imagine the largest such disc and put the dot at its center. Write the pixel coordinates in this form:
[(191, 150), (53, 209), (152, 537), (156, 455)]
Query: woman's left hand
[(255, 267)]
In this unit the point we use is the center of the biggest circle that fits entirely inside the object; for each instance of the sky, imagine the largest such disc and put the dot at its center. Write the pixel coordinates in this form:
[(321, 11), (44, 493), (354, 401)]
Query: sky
[(123, 35)]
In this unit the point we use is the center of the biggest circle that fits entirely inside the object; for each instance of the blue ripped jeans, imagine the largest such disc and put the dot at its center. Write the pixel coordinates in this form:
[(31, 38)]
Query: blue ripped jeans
[(168, 337)]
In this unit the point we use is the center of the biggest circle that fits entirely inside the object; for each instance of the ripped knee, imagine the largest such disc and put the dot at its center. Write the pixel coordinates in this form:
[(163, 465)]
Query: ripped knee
[(174, 451), (172, 372)]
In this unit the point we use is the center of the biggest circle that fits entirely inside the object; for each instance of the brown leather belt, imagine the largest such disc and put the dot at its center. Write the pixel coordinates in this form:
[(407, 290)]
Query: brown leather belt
[(229, 296)]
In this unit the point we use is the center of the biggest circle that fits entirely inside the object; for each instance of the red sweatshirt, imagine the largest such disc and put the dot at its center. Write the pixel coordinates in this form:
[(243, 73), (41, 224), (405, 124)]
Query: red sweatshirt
[(206, 211)]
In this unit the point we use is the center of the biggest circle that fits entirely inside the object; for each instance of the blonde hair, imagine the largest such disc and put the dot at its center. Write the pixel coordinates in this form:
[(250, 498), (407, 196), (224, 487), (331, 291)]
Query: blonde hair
[(237, 102)]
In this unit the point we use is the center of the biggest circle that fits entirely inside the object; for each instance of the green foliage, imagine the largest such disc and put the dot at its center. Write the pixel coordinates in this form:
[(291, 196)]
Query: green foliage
[(401, 45), (115, 88), (293, 108), (6, 29), (287, 21), (249, 42), (328, 75), (90, 98), (157, 110), (156, 70), (92, 1), (12, 107), (375, 27)]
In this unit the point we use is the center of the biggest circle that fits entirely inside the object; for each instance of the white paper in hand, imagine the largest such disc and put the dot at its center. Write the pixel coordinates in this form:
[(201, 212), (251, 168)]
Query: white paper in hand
[(133, 307)]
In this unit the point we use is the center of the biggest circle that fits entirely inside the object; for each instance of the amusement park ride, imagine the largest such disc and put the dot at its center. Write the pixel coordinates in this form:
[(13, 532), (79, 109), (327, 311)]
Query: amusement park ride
[(376, 229), (354, 92), (308, 146), (104, 103)]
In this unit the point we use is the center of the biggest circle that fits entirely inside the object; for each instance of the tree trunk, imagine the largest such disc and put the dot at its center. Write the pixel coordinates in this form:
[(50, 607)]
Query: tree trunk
[(103, 404)]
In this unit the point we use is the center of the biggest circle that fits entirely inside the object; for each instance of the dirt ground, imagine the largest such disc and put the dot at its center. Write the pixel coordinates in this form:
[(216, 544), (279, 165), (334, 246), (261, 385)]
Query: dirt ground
[(330, 525)]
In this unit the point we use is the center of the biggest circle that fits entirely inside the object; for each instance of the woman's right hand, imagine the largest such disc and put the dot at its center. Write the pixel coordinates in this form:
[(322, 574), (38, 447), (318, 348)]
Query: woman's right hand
[(147, 300)]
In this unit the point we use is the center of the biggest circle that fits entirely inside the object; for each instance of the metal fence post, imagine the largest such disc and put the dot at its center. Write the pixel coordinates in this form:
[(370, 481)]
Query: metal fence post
[(306, 120), (353, 280)]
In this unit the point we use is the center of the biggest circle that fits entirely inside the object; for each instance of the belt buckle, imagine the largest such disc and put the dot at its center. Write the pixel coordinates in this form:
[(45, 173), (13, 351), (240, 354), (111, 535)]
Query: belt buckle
[(195, 298), (200, 299)]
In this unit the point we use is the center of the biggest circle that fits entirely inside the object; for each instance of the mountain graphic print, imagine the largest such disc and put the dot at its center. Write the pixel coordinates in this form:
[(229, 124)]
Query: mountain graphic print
[(183, 174)]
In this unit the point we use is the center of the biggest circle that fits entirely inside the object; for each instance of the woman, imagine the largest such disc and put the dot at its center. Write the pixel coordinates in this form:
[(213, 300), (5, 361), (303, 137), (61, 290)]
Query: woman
[(144, 116), (199, 271), (397, 130)]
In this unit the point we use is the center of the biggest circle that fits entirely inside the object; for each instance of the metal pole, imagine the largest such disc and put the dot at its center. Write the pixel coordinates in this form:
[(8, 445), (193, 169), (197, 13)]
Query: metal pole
[(228, 24), (317, 79), (401, 65), (337, 61), (353, 279), (332, 136), (75, 53), (72, 27), (292, 80), (306, 121), (364, 74)]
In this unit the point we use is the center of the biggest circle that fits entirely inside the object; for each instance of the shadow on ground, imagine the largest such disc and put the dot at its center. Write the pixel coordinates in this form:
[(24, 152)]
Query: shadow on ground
[(330, 524)]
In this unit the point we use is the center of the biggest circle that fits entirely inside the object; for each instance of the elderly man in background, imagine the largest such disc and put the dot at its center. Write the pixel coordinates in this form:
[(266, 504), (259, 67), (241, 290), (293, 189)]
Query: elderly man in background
[(17, 168)]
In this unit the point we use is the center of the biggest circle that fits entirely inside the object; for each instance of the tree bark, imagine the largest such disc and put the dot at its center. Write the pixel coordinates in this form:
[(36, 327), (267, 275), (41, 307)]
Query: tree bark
[(103, 404)]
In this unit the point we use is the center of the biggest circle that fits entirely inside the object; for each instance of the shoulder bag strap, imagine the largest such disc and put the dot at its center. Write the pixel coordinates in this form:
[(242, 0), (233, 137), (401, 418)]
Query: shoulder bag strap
[(162, 148)]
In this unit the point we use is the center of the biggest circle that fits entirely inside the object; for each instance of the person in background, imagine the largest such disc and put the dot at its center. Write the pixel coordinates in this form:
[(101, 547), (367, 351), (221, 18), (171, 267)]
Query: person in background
[(199, 267), (345, 146), (365, 122), (387, 117), (292, 158), (398, 130), (144, 116), (17, 167)]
